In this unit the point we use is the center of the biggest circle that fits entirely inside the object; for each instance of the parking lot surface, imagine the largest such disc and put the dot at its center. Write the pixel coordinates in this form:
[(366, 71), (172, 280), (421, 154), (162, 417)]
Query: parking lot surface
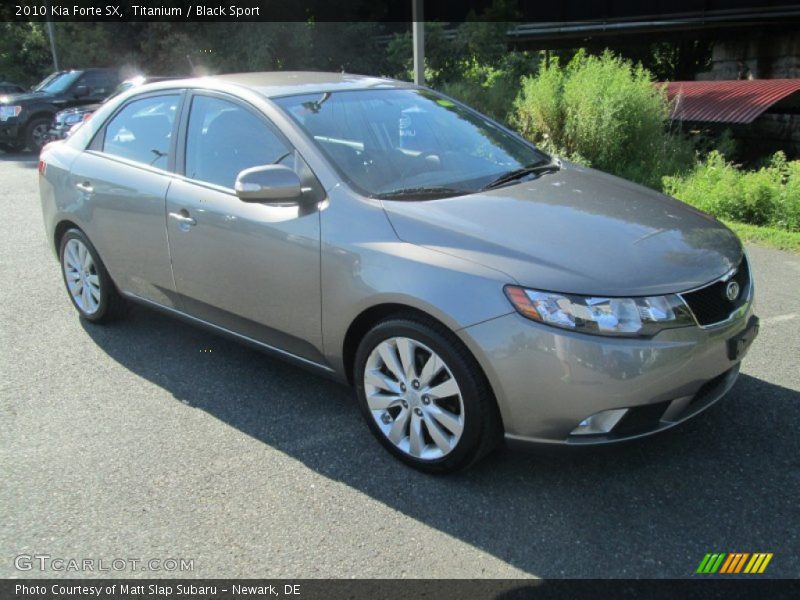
[(152, 439)]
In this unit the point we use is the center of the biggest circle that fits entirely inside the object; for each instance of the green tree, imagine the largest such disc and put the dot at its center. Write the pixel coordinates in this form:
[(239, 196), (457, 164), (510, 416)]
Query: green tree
[(24, 52)]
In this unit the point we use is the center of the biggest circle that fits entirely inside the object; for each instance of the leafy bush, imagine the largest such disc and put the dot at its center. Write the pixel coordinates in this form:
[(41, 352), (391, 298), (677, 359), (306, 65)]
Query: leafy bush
[(768, 196), (603, 111), (490, 87)]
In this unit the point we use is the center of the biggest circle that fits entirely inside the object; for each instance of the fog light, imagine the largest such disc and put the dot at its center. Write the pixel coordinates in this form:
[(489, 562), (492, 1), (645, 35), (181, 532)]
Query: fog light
[(600, 423)]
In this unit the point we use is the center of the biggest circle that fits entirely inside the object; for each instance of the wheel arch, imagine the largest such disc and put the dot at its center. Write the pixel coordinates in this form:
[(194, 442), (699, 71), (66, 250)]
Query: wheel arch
[(39, 114), (60, 229), (373, 315)]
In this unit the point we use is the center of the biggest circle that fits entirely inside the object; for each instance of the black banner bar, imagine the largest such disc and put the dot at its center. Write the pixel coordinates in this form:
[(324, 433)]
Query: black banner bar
[(387, 11), (732, 587)]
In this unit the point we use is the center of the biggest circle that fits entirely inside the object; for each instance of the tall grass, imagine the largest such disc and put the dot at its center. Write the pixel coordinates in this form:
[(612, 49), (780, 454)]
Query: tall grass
[(603, 111), (769, 196)]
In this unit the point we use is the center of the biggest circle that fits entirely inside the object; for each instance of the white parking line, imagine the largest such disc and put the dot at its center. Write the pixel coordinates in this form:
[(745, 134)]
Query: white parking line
[(778, 319)]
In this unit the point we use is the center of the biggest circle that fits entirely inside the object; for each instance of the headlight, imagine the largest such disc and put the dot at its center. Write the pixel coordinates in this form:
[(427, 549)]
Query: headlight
[(644, 316), (72, 118), (9, 110)]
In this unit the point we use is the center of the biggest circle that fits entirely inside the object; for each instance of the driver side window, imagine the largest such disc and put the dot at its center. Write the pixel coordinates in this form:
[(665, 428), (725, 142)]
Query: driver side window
[(223, 139)]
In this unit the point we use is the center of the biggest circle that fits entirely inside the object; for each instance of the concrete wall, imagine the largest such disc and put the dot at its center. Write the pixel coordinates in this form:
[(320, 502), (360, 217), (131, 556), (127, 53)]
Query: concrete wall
[(758, 56)]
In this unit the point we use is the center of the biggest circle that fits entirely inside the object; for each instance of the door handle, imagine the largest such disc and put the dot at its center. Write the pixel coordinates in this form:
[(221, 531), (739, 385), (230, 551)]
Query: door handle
[(182, 219), (85, 187)]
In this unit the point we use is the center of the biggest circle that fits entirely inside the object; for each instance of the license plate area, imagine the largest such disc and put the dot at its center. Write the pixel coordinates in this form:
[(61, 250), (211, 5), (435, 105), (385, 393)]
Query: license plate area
[(740, 343)]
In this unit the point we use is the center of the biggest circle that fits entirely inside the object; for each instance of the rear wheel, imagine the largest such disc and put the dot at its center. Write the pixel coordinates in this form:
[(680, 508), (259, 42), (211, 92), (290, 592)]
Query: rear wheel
[(89, 286), (36, 134), (424, 396)]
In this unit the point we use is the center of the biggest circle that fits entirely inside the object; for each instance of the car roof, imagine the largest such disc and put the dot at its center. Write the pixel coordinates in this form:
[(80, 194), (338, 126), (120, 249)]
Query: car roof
[(287, 83)]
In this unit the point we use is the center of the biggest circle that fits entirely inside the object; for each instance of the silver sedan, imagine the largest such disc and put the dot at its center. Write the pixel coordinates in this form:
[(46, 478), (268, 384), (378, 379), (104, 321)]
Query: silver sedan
[(469, 286)]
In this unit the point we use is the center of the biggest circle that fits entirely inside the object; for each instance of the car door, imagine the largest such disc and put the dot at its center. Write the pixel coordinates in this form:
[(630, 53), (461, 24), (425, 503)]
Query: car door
[(120, 184), (246, 267)]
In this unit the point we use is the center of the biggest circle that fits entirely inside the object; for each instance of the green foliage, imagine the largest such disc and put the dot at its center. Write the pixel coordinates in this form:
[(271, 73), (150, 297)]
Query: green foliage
[(491, 88), (24, 52), (603, 111), (492, 100), (177, 48), (769, 196), (441, 59)]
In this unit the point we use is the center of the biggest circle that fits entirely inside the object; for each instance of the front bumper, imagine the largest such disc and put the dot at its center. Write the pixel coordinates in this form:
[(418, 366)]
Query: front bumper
[(548, 381), (58, 132)]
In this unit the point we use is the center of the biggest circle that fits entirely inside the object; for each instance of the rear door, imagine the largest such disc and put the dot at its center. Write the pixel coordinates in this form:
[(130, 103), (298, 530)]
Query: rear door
[(249, 268), (120, 184)]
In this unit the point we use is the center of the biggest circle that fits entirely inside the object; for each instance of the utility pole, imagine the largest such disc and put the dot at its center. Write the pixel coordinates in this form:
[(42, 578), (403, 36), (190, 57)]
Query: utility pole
[(51, 33), (418, 30)]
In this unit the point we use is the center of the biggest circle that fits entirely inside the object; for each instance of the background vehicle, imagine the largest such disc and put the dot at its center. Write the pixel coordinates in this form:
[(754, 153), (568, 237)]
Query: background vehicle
[(25, 118), (6, 87), (66, 120), (465, 283)]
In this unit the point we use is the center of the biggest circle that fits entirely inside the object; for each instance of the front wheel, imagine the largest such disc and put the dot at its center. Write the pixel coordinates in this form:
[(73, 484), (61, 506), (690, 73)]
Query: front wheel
[(424, 396), (88, 283), (36, 134)]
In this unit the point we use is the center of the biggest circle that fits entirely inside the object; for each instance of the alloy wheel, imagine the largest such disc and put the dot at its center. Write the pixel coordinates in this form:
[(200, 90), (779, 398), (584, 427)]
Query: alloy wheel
[(39, 135), (414, 398), (83, 281)]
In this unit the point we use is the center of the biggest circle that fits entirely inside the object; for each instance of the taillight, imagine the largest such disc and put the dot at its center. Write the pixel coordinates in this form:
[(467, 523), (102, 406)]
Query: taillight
[(42, 167)]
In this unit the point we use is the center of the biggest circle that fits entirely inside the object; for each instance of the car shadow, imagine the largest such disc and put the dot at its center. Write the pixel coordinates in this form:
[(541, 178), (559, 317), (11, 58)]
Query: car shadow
[(721, 482), (28, 159)]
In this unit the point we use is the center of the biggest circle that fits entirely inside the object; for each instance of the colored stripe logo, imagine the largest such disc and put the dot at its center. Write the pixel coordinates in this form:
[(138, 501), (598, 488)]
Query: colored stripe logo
[(734, 562)]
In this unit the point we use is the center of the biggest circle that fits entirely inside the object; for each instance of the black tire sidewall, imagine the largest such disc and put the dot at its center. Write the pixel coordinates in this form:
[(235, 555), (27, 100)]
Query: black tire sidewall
[(473, 393), (107, 288), (11, 147), (29, 144)]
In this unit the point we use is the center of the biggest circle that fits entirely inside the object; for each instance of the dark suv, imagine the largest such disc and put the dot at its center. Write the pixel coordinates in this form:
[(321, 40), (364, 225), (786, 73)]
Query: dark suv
[(6, 87), (25, 118)]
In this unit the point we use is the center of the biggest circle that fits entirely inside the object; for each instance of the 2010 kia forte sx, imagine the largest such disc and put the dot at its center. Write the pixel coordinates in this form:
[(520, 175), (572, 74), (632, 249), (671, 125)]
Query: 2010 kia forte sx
[(466, 284)]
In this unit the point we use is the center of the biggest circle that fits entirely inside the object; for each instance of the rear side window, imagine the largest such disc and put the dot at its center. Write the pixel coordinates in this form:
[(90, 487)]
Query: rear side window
[(100, 83), (223, 139), (142, 130)]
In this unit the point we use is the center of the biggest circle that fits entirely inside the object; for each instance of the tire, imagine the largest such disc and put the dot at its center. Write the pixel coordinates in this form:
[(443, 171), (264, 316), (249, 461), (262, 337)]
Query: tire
[(398, 405), (10, 147), (36, 134), (88, 283)]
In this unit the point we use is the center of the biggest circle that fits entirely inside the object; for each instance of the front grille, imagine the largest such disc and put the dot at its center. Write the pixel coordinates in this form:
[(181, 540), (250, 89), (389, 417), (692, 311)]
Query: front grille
[(711, 305)]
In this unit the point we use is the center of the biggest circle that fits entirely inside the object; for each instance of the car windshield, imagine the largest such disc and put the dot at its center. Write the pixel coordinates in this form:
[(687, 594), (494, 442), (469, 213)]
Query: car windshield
[(58, 83), (396, 143)]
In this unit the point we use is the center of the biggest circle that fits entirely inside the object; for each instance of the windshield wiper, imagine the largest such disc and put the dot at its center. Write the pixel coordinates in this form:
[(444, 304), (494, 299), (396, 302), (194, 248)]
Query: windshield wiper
[(420, 192), (538, 168)]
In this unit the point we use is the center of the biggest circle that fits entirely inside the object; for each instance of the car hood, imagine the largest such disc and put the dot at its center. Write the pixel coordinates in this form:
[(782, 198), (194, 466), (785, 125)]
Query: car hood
[(28, 97), (576, 231)]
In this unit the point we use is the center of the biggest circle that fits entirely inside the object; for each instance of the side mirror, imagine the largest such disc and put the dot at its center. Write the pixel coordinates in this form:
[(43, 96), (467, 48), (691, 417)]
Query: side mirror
[(81, 91), (268, 183)]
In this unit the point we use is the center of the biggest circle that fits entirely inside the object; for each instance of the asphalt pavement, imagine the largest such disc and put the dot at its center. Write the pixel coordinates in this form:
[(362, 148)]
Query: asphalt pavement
[(152, 439)]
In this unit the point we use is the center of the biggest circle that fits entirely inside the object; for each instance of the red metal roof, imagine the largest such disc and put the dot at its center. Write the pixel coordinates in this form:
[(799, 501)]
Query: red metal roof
[(727, 101)]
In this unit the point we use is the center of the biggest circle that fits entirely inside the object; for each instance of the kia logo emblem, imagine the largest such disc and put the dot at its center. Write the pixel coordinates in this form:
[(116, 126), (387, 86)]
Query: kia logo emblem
[(732, 291)]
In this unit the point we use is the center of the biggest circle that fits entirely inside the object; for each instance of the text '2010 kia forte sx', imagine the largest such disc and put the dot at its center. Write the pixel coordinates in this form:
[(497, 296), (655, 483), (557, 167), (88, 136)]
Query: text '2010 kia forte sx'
[(467, 285)]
